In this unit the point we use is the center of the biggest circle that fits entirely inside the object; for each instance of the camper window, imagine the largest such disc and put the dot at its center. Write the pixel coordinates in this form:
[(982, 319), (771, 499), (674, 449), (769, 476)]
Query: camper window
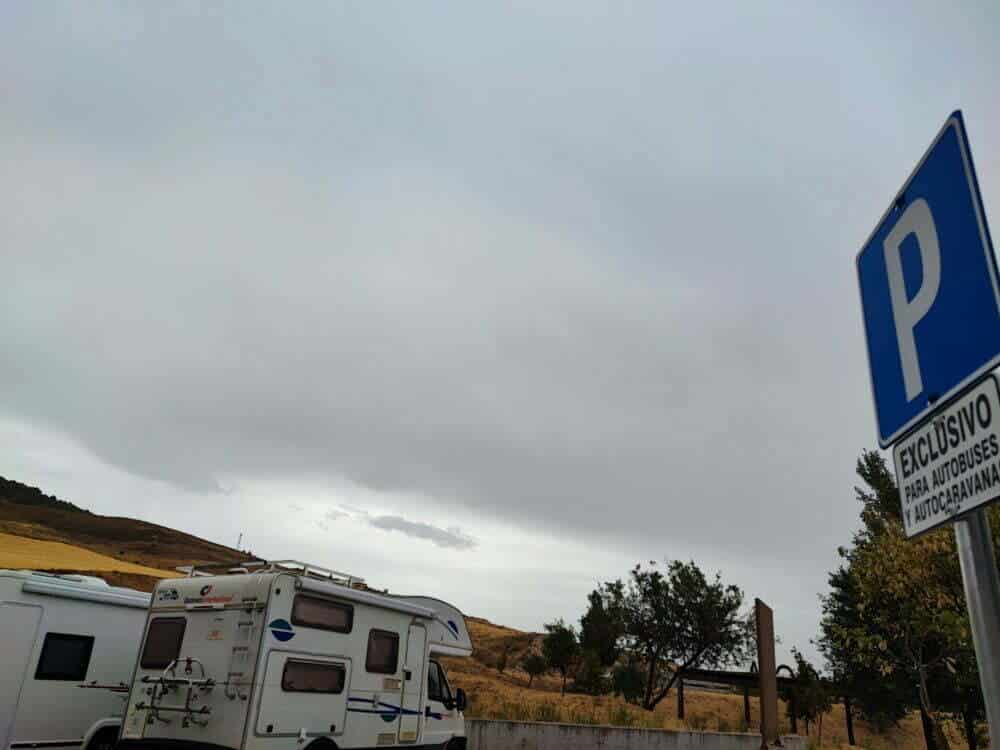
[(312, 677), (163, 642), (383, 652), (434, 683), (64, 657), (323, 614), (437, 684)]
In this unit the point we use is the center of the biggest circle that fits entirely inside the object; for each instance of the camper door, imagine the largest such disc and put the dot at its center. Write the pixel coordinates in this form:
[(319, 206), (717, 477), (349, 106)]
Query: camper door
[(411, 708), (19, 623)]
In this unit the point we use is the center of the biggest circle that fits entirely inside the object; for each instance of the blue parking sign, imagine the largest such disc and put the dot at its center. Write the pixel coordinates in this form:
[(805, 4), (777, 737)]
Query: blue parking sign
[(929, 291)]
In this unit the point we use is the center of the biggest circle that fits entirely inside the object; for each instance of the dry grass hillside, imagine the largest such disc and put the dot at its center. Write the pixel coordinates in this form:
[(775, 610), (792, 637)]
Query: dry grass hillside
[(506, 695), (49, 534), (127, 539), (36, 554)]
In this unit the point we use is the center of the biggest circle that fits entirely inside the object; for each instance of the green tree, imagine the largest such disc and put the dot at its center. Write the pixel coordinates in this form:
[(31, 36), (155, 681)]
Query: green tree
[(627, 680), (677, 620), (602, 626), (534, 664), (895, 626), (589, 676), (560, 648), (502, 658), (879, 699), (961, 696), (810, 697)]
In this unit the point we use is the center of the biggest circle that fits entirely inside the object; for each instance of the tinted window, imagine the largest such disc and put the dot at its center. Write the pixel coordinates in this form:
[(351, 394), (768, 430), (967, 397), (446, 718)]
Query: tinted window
[(434, 682), (314, 612), (312, 677), (64, 657), (163, 642), (445, 687), (383, 652)]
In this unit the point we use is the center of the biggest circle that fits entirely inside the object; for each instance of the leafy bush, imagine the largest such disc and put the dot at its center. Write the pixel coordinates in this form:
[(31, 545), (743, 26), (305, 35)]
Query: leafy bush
[(698, 722), (547, 712)]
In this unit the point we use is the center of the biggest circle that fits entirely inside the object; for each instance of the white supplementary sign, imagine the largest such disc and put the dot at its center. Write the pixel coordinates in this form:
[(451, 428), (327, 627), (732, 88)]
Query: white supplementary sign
[(951, 465)]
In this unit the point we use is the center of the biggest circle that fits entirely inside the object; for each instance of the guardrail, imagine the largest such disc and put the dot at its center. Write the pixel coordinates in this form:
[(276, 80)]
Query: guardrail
[(487, 734)]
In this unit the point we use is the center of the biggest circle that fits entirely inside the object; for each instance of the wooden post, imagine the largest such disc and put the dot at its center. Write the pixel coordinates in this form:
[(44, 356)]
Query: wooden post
[(680, 698), (850, 720), (768, 677)]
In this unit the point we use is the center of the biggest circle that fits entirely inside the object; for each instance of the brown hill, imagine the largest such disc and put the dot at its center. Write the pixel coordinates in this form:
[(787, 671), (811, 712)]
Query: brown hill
[(28, 512)]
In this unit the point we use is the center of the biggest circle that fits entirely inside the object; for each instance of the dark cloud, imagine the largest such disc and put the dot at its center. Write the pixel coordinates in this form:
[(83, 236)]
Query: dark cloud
[(584, 270), (452, 537)]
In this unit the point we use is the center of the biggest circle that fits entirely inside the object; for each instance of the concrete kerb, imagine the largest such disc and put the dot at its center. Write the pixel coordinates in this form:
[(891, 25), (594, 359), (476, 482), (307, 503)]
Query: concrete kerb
[(488, 734)]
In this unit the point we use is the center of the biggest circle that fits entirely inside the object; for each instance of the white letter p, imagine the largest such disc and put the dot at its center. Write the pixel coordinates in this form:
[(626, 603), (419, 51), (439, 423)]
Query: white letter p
[(916, 220)]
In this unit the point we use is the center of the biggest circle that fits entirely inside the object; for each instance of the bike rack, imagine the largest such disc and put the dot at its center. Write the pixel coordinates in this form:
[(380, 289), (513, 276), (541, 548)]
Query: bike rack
[(169, 681)]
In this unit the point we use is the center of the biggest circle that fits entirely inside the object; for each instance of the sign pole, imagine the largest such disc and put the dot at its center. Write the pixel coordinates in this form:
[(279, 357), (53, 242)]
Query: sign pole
[(982, 595)]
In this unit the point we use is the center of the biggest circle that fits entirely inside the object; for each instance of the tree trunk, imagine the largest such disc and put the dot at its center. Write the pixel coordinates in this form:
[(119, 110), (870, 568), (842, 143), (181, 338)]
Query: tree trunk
[(850, 720), (746, 705), (969, 721), (928, 726), (649, 684), (940, 741), (821, 730), (564, 684), (793, 713), (680, 699)]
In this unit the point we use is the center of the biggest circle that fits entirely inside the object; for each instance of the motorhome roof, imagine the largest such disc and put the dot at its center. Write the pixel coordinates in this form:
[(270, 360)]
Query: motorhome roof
[(83, 588), (267, 566), (322, 580)]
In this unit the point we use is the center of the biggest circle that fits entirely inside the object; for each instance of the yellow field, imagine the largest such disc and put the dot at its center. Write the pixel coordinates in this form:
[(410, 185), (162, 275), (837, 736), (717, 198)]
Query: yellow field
[(18, 552)]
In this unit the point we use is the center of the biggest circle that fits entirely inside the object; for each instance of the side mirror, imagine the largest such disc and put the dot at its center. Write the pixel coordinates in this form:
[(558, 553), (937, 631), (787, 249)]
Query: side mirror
[(461, 702)]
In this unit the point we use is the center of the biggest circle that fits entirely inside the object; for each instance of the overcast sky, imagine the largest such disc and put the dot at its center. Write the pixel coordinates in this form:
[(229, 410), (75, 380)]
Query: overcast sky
[(482, 301)]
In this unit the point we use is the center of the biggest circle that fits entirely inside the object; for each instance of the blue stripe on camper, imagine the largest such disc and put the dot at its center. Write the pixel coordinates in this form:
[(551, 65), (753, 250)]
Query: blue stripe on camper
[(388, 713)]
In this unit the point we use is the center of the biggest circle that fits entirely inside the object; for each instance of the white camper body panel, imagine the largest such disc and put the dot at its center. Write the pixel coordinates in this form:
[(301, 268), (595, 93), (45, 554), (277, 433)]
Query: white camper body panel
[(60, 632), (278, 660)]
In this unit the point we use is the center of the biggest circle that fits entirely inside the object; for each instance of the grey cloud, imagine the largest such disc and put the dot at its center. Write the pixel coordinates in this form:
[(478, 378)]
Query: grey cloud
[(583, 270), (452, 537)]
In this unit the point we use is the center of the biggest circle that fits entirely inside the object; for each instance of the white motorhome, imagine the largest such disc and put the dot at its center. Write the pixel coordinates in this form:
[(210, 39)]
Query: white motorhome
[(290, 656), (58, 633)]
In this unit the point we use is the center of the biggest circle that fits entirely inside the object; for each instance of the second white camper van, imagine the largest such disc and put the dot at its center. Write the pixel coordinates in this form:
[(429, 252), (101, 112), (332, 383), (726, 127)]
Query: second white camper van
[(290, 656), (58, 633)]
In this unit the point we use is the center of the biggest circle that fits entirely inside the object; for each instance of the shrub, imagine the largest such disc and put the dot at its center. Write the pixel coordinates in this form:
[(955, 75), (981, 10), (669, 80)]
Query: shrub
[(547, 712)]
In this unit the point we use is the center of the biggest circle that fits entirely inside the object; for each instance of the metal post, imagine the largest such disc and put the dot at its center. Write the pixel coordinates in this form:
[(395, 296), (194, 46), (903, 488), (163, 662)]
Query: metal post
[(982, 594)]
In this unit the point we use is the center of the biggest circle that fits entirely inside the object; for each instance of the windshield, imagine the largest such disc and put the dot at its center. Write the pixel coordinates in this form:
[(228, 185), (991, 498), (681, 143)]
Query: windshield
[(437, 684)]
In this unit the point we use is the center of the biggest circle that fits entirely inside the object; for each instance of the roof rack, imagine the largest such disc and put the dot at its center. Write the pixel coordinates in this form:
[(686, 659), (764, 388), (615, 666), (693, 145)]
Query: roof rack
[(264, 566), (319, 572), (196, 570)]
